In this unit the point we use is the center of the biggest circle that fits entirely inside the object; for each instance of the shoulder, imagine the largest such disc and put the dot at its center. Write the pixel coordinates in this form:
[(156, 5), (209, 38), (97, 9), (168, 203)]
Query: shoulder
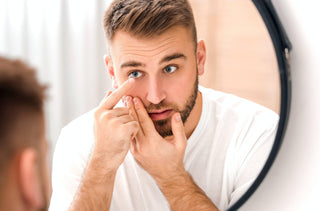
[(74, 144), (229, 104), (78, 133), (82, 122), (251, 127)]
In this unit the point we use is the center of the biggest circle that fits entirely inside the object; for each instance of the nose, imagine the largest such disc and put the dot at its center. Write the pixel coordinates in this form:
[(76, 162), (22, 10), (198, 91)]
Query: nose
[(155, 91)]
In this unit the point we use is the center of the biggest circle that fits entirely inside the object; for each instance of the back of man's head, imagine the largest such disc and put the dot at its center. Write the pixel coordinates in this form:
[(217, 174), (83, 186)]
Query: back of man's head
[(147, 18), (21, 123)]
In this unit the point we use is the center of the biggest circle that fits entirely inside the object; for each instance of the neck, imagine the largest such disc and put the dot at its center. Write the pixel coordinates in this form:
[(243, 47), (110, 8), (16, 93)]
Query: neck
[(10, 198), (194, 117)]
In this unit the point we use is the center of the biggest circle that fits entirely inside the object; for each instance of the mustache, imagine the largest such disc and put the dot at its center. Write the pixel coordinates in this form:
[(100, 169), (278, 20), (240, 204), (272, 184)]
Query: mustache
[(162, 105)]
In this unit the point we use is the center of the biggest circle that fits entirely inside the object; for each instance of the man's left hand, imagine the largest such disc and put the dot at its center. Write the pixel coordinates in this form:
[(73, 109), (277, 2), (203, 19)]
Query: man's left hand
[(161, 157)]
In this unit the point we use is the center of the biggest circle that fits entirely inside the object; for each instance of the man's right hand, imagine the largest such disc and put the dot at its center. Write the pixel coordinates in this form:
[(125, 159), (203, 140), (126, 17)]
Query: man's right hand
[(114, 128)]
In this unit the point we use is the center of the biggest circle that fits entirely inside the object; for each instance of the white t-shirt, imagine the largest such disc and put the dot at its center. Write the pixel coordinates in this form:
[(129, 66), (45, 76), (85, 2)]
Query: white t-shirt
[(224, 155)]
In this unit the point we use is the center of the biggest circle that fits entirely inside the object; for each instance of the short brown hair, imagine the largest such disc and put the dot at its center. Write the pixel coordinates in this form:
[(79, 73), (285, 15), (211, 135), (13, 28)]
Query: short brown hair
[(21, 108), (146, 18)]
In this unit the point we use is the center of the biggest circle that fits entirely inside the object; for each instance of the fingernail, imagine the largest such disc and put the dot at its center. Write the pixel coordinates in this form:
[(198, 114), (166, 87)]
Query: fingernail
[(129, 100), (178, 118), (135, 100), (131, 80)]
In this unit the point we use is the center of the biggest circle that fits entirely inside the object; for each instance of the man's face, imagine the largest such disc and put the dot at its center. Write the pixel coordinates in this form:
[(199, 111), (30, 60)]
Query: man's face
[(165, 71)]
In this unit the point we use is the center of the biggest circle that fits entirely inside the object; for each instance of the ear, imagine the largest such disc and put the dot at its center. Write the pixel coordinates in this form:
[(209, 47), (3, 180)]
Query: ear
[(201, 56), (29, 178), (109, 64)]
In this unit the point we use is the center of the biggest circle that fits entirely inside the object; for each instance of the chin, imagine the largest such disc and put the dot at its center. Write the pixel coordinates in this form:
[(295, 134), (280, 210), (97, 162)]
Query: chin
[(163, 127)]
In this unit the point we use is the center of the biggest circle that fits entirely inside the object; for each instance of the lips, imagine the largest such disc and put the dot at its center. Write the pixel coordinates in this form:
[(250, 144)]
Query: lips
[(160, 115)]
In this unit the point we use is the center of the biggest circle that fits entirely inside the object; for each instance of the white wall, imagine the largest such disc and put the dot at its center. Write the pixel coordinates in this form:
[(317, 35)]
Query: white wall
[(64, 41), (294, 180)]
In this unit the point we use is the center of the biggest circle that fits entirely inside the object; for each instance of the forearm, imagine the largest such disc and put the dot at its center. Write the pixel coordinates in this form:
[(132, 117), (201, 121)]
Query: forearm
[(96, 188), (183, 194)]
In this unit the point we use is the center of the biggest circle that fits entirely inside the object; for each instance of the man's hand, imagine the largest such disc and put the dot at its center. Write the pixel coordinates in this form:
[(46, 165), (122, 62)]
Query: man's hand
[(162, 158), (114, 128)]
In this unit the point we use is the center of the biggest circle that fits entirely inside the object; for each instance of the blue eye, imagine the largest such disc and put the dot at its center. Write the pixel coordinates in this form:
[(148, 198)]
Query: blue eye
[(135, 74), (170, 69)]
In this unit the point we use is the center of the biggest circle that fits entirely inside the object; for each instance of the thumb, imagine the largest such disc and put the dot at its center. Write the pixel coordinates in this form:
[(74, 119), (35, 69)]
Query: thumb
[(178, 130)]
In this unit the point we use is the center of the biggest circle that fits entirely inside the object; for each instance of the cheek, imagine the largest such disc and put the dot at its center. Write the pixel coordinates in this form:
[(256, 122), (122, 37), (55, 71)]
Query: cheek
[(178, 91), (137, 91)]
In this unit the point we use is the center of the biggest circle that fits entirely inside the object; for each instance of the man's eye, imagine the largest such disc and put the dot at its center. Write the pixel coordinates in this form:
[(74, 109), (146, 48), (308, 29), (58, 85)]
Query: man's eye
[(170, 69), (135, 74)]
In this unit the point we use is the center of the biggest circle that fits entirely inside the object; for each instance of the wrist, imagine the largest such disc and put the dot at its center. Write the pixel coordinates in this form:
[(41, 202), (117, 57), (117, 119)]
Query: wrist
[(176, 177), (102, 166), (183, 193)]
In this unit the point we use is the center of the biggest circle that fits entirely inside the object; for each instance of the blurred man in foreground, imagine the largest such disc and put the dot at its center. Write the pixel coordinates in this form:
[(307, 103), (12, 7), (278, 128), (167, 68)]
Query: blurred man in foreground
[(24, 183)]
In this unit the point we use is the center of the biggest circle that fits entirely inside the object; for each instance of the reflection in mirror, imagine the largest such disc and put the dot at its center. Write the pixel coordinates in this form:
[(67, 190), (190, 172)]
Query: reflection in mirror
[(240, 54), (211, 161)]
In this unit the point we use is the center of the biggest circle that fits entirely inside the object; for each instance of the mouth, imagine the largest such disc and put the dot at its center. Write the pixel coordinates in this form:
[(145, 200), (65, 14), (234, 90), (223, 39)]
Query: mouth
[(160, 114)]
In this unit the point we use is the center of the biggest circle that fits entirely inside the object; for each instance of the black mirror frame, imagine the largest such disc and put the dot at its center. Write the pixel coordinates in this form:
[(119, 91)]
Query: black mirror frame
[(282, 48)]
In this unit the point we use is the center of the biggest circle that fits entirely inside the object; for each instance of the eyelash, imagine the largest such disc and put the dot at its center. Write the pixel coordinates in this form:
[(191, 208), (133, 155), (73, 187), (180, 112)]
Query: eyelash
[(138, 71), (135, 71), (175, 66)]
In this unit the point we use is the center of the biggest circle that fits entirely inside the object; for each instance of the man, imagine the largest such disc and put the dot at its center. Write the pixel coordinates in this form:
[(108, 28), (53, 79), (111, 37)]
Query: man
[(24, 183), (171, 146)]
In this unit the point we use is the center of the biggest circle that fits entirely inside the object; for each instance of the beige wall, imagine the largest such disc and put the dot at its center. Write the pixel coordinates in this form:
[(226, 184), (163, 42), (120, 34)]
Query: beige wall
[(240, 54)]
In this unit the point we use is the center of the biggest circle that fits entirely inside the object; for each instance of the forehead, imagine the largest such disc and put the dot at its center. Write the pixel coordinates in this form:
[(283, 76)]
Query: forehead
[(126, 46)]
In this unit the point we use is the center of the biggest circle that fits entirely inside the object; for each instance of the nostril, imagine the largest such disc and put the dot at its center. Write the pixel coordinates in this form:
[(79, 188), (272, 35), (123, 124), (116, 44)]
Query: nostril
[(154, 99)]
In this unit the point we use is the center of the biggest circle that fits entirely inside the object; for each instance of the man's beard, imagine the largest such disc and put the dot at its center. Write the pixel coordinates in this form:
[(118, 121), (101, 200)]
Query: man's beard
[(164, 126)]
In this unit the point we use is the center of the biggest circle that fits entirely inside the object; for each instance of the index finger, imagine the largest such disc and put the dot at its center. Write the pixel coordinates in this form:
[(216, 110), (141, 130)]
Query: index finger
[(116, 96)]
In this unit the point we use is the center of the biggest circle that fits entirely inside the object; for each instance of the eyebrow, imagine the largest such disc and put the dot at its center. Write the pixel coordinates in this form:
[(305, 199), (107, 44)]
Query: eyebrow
[(172, 57), (165, 59), (131, 64)]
